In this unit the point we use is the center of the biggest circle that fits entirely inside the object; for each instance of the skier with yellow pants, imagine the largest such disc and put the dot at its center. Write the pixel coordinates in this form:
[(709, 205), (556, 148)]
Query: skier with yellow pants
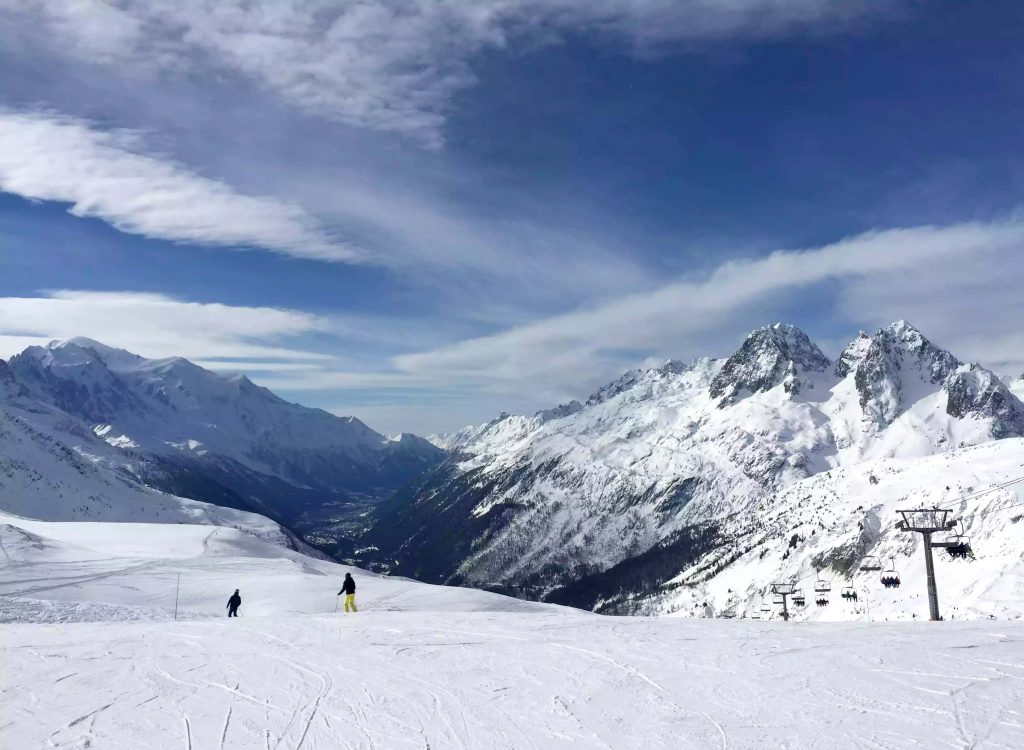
[(348, 588)]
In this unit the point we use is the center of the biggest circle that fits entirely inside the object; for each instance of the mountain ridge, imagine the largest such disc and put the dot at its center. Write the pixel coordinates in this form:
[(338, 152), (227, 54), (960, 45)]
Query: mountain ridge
[(208, 436), (531, 504)]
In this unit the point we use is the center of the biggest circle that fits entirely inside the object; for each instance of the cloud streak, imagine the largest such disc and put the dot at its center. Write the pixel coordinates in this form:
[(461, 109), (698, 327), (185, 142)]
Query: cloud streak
[(902, 268), (106, 175), (157, 325), (395, 65)]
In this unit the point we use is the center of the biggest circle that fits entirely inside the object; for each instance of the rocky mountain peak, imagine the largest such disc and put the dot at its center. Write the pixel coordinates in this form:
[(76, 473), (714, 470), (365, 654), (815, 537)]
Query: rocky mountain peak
[(769, 356), (974, 391), (936, 363), (881, 364), (562, 410), (626, 381)]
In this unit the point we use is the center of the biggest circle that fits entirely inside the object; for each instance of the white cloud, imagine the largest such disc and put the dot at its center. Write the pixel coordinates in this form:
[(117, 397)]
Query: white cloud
[(393, 65), (105, 175), (155, 325), (877, 277)]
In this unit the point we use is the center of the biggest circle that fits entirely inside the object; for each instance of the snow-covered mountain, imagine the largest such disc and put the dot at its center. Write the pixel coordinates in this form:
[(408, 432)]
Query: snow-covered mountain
[(211, 436), (648, 476), (836, 521)]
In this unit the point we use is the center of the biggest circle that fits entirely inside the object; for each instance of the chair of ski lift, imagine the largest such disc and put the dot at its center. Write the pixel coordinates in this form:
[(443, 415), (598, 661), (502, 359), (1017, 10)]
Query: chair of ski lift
[(755, 614), (890, 577), (765, 606), (821, 591), (849, 593), (871, 564), (959, 544), (798, 598)]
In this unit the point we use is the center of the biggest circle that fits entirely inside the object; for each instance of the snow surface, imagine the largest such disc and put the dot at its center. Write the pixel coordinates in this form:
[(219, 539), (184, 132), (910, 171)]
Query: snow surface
[(839, 518), (92, 658)]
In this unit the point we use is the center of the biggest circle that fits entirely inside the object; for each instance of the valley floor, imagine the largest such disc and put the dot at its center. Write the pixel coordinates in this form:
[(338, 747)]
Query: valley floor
[(387, 679)]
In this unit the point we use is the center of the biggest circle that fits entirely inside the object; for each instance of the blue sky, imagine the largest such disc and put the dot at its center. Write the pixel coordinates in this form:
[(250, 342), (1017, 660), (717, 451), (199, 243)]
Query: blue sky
[(425, 212)]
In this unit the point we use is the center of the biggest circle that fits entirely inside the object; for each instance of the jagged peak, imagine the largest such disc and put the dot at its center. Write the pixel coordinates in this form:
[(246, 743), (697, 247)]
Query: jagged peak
[(903, 336), (976, 391), (624, 382), (557, 412), (904, 330), (768, 356)]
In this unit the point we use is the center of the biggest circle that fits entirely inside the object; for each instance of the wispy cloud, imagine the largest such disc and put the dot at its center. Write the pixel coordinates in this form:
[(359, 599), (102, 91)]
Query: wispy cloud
[(107, 175), (157, 325), (875, 277), (392, 66)]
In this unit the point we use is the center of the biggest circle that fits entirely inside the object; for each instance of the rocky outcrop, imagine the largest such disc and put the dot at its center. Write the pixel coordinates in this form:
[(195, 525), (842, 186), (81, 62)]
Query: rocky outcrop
[(884, 364), (770, 356), (977, 392)]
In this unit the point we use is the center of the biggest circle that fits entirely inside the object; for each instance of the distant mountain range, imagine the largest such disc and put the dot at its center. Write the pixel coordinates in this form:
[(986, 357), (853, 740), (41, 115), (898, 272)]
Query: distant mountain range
[(686, 488), (171, 425), (601, 503)]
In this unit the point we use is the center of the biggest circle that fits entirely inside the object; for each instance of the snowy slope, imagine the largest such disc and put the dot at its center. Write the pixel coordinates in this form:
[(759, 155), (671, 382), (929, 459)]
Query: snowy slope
[(534, 503), (92, 658), (53, 468), (72, 566), (835, 521), (212, 437)]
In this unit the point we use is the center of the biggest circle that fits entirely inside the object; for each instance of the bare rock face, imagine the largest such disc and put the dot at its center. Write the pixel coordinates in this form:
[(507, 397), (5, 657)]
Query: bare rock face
[(977, 392), (769, 356), (886, 363), (623, 383), (562, 410), (6, 376)]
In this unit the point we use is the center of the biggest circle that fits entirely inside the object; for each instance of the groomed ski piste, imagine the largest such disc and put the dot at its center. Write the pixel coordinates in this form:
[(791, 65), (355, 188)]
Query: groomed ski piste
[(92, 657)]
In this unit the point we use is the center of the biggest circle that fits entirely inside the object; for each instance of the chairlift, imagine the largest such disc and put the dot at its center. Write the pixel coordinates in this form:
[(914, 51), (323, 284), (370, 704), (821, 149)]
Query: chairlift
[(890, 577), (755, 614), (765, 606), (959, 545), (821, 586), (821, 599), (871, 564), (798, 598), (849, 593)]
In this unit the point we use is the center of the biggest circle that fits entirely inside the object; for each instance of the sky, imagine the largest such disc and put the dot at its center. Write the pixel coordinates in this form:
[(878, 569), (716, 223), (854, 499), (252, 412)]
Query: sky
[(426, 212)]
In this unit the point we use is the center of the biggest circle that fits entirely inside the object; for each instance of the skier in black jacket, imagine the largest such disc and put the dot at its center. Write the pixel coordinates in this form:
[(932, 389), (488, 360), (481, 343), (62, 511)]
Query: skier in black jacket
[(348, 588), (233, 604)]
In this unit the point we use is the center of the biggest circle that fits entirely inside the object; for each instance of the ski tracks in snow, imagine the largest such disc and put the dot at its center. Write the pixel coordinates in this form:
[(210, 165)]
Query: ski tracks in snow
[(404, 681)]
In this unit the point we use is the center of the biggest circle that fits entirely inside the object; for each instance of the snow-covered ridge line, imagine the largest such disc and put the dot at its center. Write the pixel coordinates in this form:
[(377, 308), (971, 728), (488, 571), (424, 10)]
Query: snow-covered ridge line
[(189, 431), (557, 499)]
